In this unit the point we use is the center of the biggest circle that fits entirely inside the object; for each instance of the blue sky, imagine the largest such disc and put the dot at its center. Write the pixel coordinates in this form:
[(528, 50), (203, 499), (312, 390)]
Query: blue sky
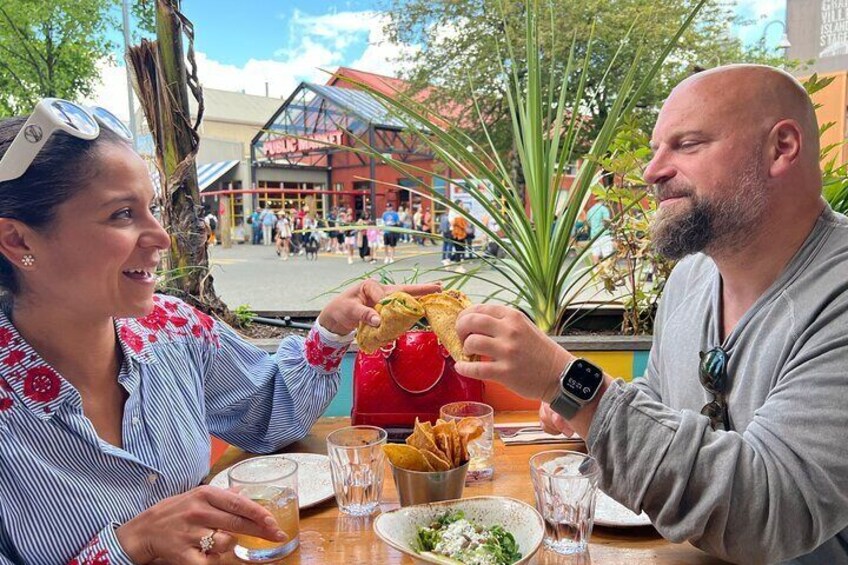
[(259, 45), (266, 28)]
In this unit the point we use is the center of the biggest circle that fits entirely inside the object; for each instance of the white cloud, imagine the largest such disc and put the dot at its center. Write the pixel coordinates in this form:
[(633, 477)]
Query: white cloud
[(112, 91), (318, 42), (381, 54)]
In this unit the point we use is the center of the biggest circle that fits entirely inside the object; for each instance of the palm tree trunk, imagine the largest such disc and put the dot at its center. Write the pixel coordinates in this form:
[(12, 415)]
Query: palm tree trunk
[(162, 83)]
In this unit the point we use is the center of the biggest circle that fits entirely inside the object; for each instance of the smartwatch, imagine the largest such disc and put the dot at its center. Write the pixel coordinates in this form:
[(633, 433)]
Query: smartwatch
[(578, 385)]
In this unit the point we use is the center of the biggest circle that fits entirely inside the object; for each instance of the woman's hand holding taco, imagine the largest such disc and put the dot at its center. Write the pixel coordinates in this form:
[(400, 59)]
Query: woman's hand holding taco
[(356, 304)]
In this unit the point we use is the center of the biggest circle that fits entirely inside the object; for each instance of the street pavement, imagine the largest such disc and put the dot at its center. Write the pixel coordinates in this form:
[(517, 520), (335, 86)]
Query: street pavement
[(253, 275)]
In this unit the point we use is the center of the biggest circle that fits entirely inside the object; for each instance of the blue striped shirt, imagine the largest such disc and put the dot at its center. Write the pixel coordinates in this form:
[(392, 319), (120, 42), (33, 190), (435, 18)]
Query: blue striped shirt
[(64, 491)]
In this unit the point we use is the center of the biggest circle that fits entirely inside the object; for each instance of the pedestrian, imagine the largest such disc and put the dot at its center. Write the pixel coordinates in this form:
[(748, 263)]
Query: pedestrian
[(447, 238), (459, 230), (374, 240), (390, 238), (255, 226), (426, 227), (267, 219), (598, 218), (470, 234), (350, 236), (284, 233), (362, 237)]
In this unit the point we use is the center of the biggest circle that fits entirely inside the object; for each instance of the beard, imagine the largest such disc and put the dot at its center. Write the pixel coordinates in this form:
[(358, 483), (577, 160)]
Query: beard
[(712, 225)]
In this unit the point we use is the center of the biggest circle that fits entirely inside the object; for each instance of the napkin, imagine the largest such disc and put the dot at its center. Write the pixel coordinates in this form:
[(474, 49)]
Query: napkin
[(530, 432)]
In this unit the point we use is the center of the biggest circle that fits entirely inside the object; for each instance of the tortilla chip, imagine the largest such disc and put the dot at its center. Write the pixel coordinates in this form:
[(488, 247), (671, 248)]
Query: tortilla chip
[(442, 310), (447, 438), (436, 462), (469, 429), (398, 313), (443, 440), (406, 457), (423, 439)]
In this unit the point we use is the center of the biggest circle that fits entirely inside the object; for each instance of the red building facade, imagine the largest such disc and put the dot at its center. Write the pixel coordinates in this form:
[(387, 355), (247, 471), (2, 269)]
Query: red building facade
[(312, 132)]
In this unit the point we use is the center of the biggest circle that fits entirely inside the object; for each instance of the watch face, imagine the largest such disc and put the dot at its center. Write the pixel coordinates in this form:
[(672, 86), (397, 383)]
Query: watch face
[(582, 380)]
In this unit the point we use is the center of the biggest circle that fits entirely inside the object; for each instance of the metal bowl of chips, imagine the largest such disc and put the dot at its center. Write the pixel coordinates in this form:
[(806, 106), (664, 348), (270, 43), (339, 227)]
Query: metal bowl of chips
[(417, 487), (432, 464)]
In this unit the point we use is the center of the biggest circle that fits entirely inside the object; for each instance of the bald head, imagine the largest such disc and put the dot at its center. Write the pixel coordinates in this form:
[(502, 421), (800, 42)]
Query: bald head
[(736, 150), (757, 96)]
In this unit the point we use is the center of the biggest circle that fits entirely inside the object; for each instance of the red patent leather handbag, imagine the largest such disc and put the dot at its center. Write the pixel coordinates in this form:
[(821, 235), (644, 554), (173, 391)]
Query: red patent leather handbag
[(411, 378)]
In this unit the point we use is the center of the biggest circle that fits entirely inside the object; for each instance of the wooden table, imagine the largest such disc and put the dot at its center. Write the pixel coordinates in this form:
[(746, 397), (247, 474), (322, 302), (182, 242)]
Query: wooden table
[(327, 536)]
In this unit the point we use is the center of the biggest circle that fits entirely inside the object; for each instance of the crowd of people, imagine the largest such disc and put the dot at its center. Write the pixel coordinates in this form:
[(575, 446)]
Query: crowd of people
[(299, 231)]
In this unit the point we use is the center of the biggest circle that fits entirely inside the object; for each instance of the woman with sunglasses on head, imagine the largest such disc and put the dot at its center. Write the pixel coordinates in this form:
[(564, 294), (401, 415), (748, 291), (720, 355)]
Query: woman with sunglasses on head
[(108, 393)]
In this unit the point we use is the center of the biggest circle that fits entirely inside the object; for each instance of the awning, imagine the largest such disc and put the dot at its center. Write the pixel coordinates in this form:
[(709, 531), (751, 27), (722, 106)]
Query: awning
[(210, 172), (206, 174)]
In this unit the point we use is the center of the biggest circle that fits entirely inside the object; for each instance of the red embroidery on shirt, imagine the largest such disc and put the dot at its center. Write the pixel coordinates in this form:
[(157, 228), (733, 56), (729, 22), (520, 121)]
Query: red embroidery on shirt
[(13, 358), (131, 338), (328, 357), (41, 384), (205, 321), (169, 319), (5, 386), (6, 337), (156, 320), (5, 404), (91, 555)]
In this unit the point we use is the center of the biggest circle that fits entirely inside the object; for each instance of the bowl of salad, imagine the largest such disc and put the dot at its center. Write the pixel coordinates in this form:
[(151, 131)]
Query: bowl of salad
[(484, 530)]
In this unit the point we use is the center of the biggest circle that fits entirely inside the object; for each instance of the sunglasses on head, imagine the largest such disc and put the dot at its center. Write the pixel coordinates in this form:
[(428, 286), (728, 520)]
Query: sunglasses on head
[(50, 115), (713, 375)]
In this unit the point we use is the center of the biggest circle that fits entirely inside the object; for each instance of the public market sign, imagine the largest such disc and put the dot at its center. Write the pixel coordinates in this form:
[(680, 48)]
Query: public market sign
[(281, 146)]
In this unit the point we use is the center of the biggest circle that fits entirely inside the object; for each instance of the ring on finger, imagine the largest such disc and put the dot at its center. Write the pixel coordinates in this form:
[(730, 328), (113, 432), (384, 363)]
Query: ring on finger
[(207, 542)]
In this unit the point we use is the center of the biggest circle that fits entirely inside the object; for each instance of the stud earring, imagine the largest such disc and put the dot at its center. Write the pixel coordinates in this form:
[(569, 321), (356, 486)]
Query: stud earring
[(28, 260)]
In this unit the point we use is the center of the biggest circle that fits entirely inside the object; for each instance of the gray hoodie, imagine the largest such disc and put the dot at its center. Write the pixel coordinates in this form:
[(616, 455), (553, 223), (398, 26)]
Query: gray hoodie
[(775, 487)]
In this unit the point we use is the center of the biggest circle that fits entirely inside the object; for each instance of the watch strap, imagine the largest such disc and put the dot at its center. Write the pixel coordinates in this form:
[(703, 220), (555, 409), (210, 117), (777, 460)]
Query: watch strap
[(564, 406)]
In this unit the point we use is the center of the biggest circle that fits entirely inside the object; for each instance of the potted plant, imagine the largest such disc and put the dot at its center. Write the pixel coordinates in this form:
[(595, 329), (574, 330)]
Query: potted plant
[(542, 266)]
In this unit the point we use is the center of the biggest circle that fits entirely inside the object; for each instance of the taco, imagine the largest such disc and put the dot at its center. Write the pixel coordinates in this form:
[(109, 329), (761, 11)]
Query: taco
[(442, 309), (398, 313)]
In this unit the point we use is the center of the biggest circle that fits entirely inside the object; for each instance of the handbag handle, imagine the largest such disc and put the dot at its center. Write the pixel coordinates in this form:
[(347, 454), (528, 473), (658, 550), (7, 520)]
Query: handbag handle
[(391, 356)]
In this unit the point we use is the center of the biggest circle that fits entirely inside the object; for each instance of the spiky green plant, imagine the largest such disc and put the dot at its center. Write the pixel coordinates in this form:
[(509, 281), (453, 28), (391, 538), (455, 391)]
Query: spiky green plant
[(543, 268)]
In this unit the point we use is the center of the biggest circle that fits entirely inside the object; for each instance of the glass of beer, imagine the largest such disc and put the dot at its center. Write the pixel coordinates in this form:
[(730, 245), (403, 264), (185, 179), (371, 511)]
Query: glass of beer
[(272, 483)]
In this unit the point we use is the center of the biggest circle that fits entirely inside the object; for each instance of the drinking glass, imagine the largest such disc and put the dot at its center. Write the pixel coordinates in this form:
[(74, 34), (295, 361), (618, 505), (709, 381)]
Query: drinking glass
[(565, 484), (481, 450), (357, 463), (272, 483)]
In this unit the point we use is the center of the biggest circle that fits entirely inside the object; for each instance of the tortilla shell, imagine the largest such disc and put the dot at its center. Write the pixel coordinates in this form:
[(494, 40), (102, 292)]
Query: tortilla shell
[(398, 313), (442, 311)]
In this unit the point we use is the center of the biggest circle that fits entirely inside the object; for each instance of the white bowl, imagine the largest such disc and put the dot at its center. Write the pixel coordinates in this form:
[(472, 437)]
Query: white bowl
[(399, 528)]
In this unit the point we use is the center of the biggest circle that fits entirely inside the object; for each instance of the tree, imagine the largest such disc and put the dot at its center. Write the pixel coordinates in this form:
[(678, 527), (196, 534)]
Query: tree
[(162, 83), (50, 49), (461, 46)]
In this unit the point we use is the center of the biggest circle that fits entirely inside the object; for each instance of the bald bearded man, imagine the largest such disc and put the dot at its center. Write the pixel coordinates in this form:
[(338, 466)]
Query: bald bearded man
[(735, 438)]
